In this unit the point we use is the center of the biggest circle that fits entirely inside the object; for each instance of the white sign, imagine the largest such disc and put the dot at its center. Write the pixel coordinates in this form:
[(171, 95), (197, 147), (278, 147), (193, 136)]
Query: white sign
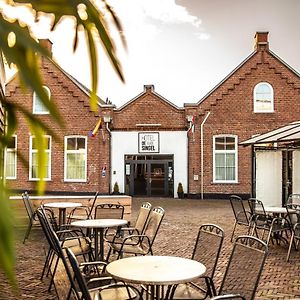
[(149, 142)]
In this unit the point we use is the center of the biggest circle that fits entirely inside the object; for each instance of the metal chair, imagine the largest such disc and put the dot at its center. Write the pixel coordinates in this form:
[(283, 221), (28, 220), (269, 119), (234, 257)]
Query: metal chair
[(140, 244), (241, 216), (293, 199), (244, 268), (206, 250), (293, 211), (261, 221), (66, 238), (83, 212), (109, 211), (138, 228), (116, 291), (31, 212)]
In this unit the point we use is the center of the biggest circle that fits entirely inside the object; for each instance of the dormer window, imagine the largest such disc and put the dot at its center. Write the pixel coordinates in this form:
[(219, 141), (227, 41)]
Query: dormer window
[(38, 106), (263, 96)]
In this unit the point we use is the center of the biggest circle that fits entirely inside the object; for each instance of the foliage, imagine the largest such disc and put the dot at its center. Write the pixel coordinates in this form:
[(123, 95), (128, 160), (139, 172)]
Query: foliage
[(22, 50), (116, 188), (180, 188)]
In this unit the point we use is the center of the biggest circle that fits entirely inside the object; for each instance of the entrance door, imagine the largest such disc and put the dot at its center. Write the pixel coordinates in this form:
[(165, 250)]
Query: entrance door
[(149, 175)]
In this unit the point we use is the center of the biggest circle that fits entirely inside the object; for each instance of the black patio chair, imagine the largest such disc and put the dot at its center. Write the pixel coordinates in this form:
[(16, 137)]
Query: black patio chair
[(140, 244), (116, 291), (241, 215), (83, 212), (138, 227), (268, 224), (293, 212), (31, 212), (244, 268), (109, 211), (206, 250), (66, 238)]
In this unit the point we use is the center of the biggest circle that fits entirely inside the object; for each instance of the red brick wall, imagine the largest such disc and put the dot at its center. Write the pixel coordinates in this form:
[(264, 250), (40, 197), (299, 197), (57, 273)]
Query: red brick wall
[(231, 107), (73, 105)]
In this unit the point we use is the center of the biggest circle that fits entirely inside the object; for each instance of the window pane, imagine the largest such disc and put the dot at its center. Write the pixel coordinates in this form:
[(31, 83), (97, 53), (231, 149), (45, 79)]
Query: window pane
[(12, 143), (10, 164), (80, 143), (38, 106), (220, 143), (75, 166), (230, 143), (71, 144)]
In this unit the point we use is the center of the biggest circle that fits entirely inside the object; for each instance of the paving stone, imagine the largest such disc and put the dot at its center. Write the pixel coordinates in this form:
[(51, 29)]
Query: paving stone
[(279, 280)]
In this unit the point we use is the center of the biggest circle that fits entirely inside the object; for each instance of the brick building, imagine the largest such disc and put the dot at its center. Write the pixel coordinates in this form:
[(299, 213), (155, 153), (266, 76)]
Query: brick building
[(149, 144)]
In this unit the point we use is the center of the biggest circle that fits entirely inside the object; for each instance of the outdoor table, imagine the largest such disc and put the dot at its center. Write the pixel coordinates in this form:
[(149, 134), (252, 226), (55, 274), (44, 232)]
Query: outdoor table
[(99, 225), (156, 272), (276, 210), (62, 207)]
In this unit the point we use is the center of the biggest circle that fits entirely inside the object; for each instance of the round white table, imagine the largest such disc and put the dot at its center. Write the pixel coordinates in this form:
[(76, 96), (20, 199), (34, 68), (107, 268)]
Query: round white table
[(62, 207), (275, 210), (156, 271), (99, 225)]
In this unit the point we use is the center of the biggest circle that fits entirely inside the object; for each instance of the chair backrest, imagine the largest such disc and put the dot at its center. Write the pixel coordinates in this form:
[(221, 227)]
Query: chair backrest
[(293, 213), (109, 211), (85, 295), (244, 268), (28, 205), (91, 205), (142, 217), (239, 211), (256, 207), (153, 223), (208, 246), (293, 199)]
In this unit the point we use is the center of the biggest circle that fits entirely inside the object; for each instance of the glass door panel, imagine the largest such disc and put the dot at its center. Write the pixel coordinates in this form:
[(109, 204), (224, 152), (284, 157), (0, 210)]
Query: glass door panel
[(157, 179)]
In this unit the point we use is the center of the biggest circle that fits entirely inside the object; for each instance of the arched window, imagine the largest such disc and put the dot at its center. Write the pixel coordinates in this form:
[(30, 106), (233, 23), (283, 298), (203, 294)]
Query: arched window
[(38, 106), (263, 96)]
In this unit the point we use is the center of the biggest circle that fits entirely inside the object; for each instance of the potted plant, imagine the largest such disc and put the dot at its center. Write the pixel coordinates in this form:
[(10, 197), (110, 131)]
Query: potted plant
[(116, 190), (180, 192)]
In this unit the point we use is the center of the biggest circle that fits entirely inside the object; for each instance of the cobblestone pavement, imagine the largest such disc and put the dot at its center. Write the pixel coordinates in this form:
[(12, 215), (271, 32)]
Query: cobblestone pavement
[(279, 280)]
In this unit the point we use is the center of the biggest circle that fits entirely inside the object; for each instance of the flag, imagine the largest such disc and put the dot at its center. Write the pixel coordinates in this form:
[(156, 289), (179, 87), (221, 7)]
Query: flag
[(93, 132)]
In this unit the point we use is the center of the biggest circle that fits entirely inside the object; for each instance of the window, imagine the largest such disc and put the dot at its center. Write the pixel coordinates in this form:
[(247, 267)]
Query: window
[(75, 158), (11, 159), (263, 96), (38, 106), (225, 159), (33, 159)]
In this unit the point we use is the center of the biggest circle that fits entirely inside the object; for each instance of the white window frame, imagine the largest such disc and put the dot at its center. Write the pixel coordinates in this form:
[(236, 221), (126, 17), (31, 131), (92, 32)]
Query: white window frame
[(36, 100), (31, 151), (66, 152), (225, 151), (12, 150), (256, 109)]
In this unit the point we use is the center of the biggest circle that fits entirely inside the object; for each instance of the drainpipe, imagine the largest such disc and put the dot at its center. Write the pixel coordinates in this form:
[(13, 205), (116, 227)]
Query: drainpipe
[(109, 157), (202, 152)]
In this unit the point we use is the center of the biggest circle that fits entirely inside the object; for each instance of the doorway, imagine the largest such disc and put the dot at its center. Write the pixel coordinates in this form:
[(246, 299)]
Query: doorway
[(149, 175)]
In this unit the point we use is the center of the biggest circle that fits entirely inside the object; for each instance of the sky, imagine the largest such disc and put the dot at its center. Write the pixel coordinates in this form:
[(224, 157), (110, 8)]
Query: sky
[(183, 47)]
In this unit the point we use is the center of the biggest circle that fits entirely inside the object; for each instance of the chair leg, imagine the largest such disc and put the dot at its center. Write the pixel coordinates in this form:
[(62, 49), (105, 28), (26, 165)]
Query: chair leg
[(233, 231), (290, 247), (27, 231)]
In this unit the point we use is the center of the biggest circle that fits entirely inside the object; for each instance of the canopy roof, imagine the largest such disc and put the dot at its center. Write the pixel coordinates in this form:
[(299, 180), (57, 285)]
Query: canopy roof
[(287, 134)]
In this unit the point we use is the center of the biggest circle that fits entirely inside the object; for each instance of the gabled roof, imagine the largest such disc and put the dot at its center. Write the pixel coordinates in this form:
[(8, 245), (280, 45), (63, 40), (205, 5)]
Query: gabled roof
[(151, 89), (287, 133)]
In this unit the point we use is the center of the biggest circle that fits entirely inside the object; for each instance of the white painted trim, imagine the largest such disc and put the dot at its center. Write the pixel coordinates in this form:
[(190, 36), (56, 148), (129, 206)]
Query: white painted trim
[(75, 151)]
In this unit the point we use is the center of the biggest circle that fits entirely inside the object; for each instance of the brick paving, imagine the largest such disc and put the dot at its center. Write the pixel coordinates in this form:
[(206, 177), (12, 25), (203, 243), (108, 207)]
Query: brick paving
[(280, 279)]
